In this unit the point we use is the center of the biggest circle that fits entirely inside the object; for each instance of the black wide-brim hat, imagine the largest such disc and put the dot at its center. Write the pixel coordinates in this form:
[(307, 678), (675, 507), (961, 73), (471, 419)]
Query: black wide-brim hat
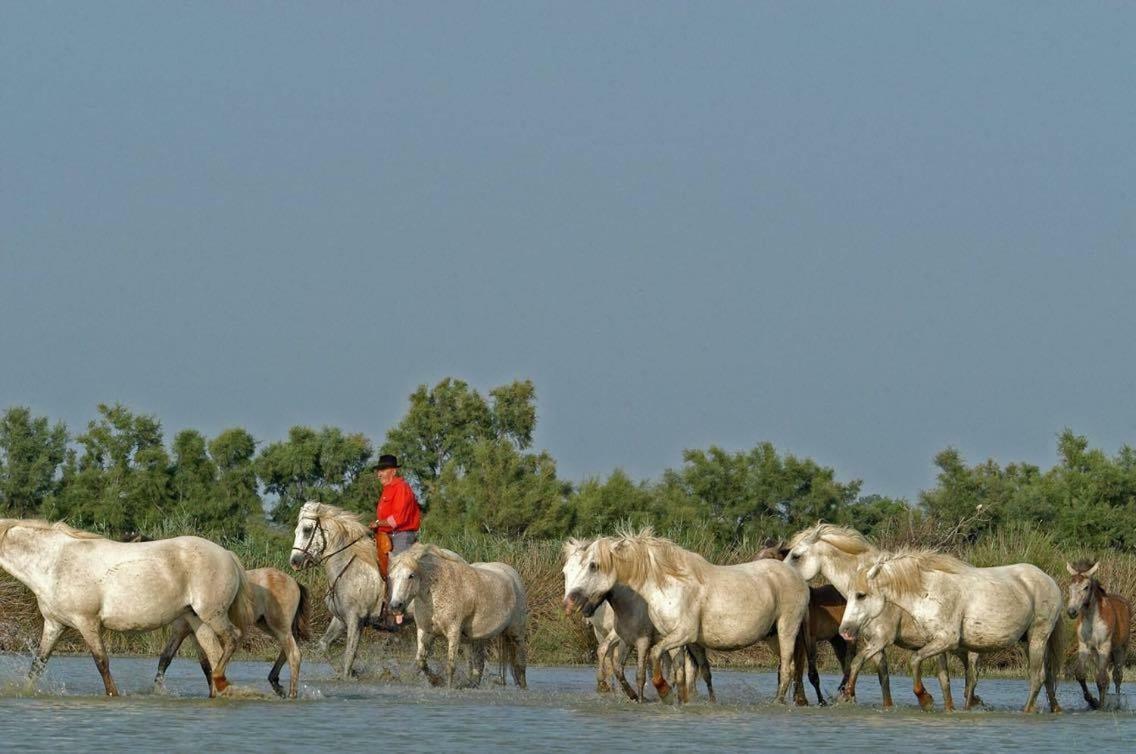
[(386, 461)]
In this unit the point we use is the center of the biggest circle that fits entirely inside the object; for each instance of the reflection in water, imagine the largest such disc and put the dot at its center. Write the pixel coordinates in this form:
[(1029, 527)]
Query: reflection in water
[(560, 711)]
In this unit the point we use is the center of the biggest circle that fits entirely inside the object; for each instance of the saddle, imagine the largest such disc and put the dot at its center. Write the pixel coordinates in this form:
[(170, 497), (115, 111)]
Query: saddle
[(383, 547)]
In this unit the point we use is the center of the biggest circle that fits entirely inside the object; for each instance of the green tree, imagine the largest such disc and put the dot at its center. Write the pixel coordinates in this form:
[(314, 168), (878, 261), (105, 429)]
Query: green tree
[(602, 507), (122, 481), (31, 453), (503, 492), (311, 465), (442, 425)]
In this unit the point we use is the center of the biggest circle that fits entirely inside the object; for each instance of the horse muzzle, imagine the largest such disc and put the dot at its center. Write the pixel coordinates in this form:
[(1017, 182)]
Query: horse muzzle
[(847, 634), (1073, 612), (299, 560)]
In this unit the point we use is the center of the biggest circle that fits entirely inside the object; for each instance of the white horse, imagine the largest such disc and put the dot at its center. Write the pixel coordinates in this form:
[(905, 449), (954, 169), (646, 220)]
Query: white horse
[(958, 606), (338, 540), (474, 602), (691, 601), (280, 608), (89, 583), (621, 621), (837, 553)]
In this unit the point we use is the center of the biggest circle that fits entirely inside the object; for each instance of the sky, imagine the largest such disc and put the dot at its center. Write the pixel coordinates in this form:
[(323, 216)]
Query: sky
[(861, 231)]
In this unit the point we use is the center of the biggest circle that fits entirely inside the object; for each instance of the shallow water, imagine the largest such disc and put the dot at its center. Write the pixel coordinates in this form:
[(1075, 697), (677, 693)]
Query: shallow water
[(560, 711)]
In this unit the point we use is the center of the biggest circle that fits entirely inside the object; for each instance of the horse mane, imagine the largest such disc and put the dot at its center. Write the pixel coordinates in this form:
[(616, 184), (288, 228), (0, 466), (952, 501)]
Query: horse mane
[(349, 526), (422, 557), (842, 538), (900, 573), (42, 525), (574, 545), (640, 557)]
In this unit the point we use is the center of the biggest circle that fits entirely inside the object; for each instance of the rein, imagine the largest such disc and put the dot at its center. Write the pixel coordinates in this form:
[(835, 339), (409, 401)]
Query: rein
[(323, 558)]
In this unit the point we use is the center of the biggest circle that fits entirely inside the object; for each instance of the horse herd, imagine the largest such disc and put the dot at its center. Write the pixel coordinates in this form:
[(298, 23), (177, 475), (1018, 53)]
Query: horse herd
[(637, 590)]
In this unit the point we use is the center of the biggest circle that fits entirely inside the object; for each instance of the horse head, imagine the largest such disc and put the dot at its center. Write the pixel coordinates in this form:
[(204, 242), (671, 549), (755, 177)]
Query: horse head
[(865, 603), (1082, 586), (588, 575), (310, 539)]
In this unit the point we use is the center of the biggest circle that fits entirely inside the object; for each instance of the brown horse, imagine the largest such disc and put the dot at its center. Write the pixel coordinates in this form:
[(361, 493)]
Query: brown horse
[(826, 610), (281, 609), (1103, 625)]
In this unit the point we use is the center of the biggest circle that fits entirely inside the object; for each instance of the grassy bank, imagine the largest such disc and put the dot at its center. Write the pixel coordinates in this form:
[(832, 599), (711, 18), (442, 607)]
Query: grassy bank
[(553, 637)]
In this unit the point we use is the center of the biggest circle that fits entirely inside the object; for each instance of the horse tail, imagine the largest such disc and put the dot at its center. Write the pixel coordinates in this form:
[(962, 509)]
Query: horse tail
[(302, 620), (1055, 651), (242, 610)]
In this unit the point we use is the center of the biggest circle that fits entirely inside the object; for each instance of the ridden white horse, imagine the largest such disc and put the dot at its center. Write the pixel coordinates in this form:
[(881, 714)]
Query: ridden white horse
[(338, 540), (691, 601), (837, 553), (1103, 624), (280, 608), (89, 583), (621, 621), (474, 602), (958, 606)]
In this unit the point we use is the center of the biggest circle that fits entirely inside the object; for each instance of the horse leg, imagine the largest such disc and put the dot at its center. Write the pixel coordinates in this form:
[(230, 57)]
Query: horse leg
[(519, 657), (92, 635), (209, 653), (1083, 655), (698, 652), (1119, 655), (970, 664), (453, 643), (929, 650), (787, 630), (1037, 649), (1104, 653), (335, 629), (885, 680), (863, 653), (274, 674), (642, 652), (178, 631), (841, 649), (602, 686), (425, 641), (52, 630), (814, 675), (618, 661), (682, 635), (350, 648), (945, 682), (476, 663), (229, 636)]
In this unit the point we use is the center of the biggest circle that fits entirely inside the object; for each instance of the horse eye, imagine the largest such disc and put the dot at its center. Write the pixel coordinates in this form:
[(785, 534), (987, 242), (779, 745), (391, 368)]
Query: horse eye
[(307, 529), (861, 595), (592, 566), (793, 556), (410, 576)]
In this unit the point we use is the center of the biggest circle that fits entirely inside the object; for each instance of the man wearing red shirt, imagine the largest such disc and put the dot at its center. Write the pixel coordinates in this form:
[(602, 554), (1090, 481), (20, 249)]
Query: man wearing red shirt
[(397, 513)]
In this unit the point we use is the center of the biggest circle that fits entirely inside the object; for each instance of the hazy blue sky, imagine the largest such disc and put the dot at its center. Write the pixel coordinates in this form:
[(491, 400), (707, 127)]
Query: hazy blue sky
[(861, 231)]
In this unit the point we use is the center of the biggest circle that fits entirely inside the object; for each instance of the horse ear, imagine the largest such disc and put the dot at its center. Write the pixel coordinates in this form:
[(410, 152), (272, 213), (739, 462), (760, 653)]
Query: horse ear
[(874, 571), (783, 552), (1093, 570), (1072, 571)]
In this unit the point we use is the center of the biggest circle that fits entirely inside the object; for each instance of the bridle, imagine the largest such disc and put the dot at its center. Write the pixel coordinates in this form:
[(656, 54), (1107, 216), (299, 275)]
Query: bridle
[(322, 558)]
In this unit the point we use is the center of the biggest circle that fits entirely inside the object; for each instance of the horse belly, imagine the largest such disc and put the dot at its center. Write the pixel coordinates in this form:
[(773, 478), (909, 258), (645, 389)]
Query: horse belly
[(140, 596), (737, 620)]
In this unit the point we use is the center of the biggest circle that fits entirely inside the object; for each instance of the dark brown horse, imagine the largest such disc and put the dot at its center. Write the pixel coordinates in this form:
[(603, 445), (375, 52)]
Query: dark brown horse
[(826, 610), (1103, 624)]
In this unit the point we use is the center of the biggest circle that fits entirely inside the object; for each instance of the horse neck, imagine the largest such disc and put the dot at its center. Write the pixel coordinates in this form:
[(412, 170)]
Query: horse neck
[(335, 564), (840, 567), (29, 556)]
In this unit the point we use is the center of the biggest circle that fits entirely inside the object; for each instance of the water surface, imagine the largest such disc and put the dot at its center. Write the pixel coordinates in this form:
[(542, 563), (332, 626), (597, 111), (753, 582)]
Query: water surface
[(559, 712)]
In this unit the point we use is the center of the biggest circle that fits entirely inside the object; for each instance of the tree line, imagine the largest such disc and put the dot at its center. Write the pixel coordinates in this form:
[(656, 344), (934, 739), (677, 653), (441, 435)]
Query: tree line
[(471, 458)]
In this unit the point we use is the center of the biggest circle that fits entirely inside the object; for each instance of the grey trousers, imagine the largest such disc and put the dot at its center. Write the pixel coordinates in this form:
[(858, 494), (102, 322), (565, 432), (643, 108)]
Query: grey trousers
[(402, 540)]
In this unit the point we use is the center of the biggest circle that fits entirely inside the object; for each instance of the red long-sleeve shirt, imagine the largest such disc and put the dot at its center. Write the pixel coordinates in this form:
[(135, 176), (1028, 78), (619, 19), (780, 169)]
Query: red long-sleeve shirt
[(398, 500)]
